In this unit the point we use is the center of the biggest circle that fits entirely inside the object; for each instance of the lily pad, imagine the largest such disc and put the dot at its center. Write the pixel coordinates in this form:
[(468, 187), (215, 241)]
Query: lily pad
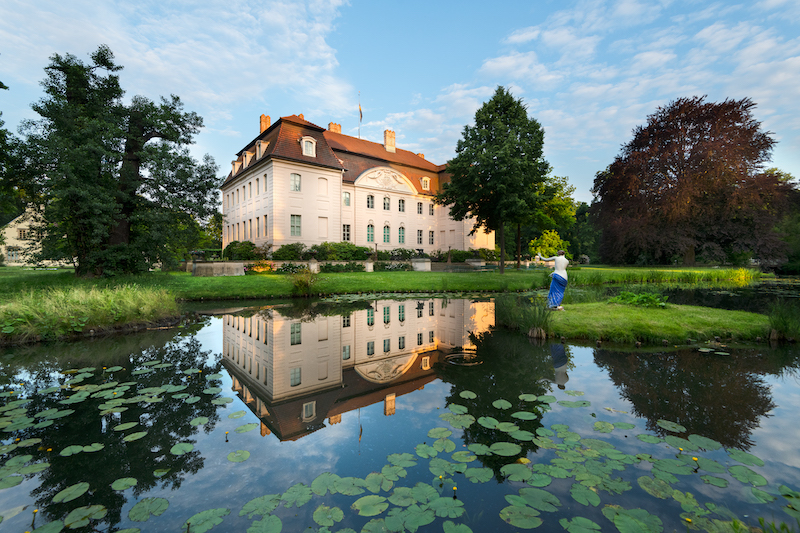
[(677, 442), (579, 524), (447, 507), (479, 475), (350, 486), (199, 421), (571, 404), (540, 499), (82, 515), (479, 449), (72, 492), (269, 524), (134, 436), (716, 481), (623, 425), (438, 433), (633, 520), (238, 456), (468, 395), (203, 521), (745, 475), (463, 457), (528, 397), (327, 516), (371, 505), (124, 483), (573, 393), (488, 422), (148, 506), (744, 457), (546, 398), (521, 517), (246, 427), (298, 495), (603, 427), (656, 487), (126, 425), (671, 426), (506, 449), (704, 442), (516, 472), (651, 439), (237, 414), (501, 404), (263, 505), (181, 448), (376, 482), (216, 401), (761, 496), (524, 415), (405, 460), (584, 495), (324, 483)]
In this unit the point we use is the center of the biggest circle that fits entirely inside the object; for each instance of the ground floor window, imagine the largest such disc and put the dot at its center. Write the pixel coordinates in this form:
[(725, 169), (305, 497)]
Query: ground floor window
[(295, 226), (386, 235), (371, 348), (401, 235), (294, 377), (419, 236), (430, 237), (370, 233), (346, 232)]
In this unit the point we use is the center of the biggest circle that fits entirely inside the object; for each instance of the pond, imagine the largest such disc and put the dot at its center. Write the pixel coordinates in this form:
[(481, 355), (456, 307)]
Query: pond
[(391, 415)]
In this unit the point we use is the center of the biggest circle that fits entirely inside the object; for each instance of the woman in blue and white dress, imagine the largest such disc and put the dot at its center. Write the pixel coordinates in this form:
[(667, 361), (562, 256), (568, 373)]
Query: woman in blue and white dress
[(559, 282)]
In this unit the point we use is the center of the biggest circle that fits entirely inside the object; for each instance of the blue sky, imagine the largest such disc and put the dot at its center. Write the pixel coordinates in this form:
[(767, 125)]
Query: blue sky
[(588, 70)]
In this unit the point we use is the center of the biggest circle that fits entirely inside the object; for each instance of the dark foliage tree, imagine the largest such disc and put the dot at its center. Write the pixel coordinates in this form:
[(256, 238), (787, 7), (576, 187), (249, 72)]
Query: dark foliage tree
[(12, 193), (498, 170), (583, 235), (691, 181), (114, 179)]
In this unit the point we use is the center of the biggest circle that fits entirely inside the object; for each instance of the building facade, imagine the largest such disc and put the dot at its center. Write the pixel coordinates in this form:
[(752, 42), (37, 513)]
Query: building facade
[(298, 182)]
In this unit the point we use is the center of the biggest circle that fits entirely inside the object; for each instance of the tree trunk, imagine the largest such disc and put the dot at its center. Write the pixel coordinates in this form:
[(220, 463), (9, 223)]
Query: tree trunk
[(502, 250), (519, 246), (688, 256)]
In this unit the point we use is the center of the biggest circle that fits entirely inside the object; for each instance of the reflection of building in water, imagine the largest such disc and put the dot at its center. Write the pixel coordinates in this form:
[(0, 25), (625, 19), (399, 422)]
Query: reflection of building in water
[(293, 374)]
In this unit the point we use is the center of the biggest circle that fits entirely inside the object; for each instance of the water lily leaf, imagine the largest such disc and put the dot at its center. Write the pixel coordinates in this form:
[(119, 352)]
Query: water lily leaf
[(324, 483), (34, 468), (452, 527), (761, 496), (479, 475), (126, 425), (247, 427), (211, 377), (134, 436), (525, 415), (376, 482), (142, 371), (113, 369), (191, 371), (603, 427), (403, 496), (444, 445), (501, 404), (716, 481), (458, 421), (411, 518), (392, 472), (238, 456), (151, 391), (298, 494), (488, 422), (745, 475), (237, 414), (671, 426), (673, 466), (573, 392), (212, 390), (181, 448), (522, 517), (82, 515), (58, 414), (124, 483), (93, 447), (539, 480), (479, 449), (439, 433), (677, 442), (457, 409), (584, 495), (263, 505), (57, 526), (182, 395), (18, 460), (507, 427), (424, 493), (371, 505), (447, 507), (633, 520), (205, 520), (744, 457), (664, 476), (656, 487), (199, 421), (651, 439), (528, 397), (623, 425), (327, 516), (505, 448), (378, 525), (579, 524), (148, 506), (70, 493), (468, 395), (705, 442), (540, 499), (406, 460), (269, 524), (463, 457), (522, 435), (350, 486), (579, 403), (516, 472), (425, 451), (10, 481), (216, 401), (710, 465), (440, 467)]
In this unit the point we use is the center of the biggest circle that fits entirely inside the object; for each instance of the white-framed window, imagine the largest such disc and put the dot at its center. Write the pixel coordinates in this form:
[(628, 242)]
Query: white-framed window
[(296, 334), (346, 198), (309, 411), (294, 376), (294, 182), (401, 205), (370, 233), (401, 343), (419, 208), (401, 312), (387, 234), (425, 364), (371, 348), (370, 317), (430, 210), (296, 226), (309, 146), (419, 236), (420, 307), (345, 352), (426, 184), (430, 237), (430, 308), (346, 321), (430, 336), (370, 201), (387, 314), (401, 235), (419, 339), (258, 227), (387, 345), (250, 189), (257, 181), (266, 230), (387, 203), (345, 232)]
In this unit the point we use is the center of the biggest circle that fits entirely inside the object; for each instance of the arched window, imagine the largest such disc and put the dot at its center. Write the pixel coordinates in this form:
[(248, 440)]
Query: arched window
[(370, 201), (387, 204), (401, 235), (426, 184), (386, 234), (370, 233)]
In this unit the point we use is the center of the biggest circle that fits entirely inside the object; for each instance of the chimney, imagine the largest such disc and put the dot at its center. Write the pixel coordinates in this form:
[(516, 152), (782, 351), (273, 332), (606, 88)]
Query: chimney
[(265, 123), (421, 155), (335, 128), (301, 116), (388, 140)]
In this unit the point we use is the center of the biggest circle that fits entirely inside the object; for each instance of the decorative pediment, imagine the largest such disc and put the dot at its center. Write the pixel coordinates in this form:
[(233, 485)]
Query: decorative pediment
[(385, 178), (385, 370)]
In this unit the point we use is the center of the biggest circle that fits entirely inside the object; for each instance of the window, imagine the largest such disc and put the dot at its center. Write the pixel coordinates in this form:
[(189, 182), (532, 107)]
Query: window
[(387, 315), (370, 233), (258, 227), (345, 352), (23, 234), (294, 377), (387, 345), (401, 343), (297, 336), (13, 255), (401, 312), (419, 236), (419, 208), (371, 348), (250, 189), (426, 184), (370, 317), (294, 183), (430, 237), (309, 411), (430, 336), (256, 186), (346, 321), (266, 231), (401, 235), (386, 235), (346, 232), (309, 146), (370, 201), (401, 206), (430, 210), (420, 307), (296, 225), (430, 308), (387, 203), (346, 198), (419, 339)]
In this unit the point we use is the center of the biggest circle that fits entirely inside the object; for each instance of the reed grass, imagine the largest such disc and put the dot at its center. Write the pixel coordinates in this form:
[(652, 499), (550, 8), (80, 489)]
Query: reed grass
[(784, 318), (522, 313)]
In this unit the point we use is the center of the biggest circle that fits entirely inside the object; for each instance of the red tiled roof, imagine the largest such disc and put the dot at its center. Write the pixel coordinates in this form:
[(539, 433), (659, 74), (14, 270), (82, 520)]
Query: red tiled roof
[(346, 143)]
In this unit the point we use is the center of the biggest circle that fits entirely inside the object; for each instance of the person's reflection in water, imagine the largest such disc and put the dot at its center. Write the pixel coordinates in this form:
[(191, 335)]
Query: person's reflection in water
[(559, 354)]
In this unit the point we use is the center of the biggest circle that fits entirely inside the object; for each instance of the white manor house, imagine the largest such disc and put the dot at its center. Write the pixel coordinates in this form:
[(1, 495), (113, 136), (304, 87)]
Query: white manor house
[(298, 182)]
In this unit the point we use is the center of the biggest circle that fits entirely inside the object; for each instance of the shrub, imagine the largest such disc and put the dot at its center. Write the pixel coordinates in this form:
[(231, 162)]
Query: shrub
[(240, 250), (403, 254), (260, 267), (382, 266), (289, 252), (384, 256), (522, 313), (784, 319), (290, 268), (303, 281), (459, 256), (643, 299), (348, 267)]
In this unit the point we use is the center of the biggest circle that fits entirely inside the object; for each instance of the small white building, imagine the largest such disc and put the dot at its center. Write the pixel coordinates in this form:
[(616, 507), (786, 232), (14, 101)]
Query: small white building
[(298, 182), (19, 239)]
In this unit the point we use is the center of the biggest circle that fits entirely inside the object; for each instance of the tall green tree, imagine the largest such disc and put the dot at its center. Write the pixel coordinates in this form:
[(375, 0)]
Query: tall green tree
[(497, 169), (115, 179)]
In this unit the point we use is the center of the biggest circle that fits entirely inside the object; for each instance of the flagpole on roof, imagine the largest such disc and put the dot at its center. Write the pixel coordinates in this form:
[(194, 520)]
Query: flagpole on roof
[(360, 114)]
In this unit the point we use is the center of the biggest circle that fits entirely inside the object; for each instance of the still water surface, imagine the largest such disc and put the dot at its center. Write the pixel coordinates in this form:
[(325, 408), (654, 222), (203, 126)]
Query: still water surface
[(389, 394)]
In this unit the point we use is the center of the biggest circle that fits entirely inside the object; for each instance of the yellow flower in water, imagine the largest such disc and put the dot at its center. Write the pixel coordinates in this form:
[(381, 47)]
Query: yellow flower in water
[(523, 460), (694, 458), (454, 488), (689, 520), (681, 449)]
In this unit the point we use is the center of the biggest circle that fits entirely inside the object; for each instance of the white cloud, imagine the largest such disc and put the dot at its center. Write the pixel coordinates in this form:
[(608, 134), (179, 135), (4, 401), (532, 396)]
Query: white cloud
[(521, 66)]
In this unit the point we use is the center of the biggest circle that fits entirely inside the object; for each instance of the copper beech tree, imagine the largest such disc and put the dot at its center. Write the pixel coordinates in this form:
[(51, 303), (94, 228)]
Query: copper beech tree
[(692, 182)]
